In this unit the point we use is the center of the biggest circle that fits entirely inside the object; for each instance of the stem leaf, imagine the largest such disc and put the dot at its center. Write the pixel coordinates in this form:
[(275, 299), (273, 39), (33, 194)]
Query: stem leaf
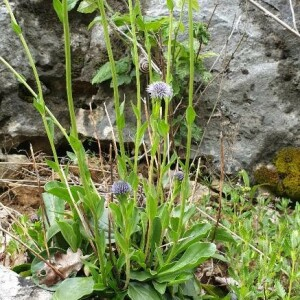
[(190, 115), (16, 28), (57, 5)]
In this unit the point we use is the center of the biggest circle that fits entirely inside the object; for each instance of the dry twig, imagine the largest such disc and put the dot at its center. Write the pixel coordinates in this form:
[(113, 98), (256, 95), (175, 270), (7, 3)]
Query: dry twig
[(269, 14)]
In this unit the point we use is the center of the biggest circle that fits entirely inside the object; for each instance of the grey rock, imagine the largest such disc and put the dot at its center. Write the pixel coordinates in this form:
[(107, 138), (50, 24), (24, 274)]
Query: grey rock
[(256, 99), (13, 287), (257, 102)]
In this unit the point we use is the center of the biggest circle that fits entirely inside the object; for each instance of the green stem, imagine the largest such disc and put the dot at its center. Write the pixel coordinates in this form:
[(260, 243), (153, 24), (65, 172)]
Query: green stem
[(292, 275), (114, 76), (185, 184), (127, 234), (67, 44), (138, 84), (167, 101)]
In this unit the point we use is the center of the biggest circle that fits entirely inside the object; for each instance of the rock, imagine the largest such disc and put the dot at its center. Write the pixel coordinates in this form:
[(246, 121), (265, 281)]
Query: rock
[(258, 106), (255, 102), (11, 166), (14, 287)]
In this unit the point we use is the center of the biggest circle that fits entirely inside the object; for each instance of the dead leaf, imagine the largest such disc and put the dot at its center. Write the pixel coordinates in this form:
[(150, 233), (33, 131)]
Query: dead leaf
[(67, 264)]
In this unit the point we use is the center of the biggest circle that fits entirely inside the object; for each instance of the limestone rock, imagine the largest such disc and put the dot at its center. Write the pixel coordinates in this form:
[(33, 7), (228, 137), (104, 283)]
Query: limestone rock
[(13, 287), (257, 108), (254, 102)]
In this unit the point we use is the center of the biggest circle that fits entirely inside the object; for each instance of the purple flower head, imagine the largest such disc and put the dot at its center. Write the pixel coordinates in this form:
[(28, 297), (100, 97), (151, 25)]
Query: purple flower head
[(120, 187), (179, 175), (160, 90), (34, 218)]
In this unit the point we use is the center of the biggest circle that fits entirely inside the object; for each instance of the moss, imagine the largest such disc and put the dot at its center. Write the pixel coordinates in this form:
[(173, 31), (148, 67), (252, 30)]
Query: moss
[(287, 161), (291, 185), (284, 177), (267, 175)]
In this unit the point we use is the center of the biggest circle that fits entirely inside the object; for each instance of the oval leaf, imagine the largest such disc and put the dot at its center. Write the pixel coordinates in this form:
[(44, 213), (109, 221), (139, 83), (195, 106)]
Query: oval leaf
[(74, 288)]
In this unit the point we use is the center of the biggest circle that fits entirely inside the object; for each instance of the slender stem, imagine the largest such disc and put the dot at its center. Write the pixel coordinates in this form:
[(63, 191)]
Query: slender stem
[(67, 44), (292, 275), (185, 182), (167, 102), (138, 84), (185, 185), (114, 75)]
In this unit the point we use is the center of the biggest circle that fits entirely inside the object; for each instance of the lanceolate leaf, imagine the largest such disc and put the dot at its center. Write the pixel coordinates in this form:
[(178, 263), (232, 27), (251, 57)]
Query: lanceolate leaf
[(58, 9), (192, 257), (54, 207), (16, 28)]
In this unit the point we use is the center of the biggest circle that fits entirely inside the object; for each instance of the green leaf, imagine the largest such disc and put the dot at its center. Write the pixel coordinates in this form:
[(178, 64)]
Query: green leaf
[(54, 207), (136, 111), (155, 23), (194, 234), (140, 275), (121, 20), (122, 168), (170, 4), (21, 268), (72, 4), (245, 177), (70, 234), (195, 5), (16, 28), (140, 23), (120, 241), (39, 106), (97, 20), (52, 231), (191, 258), (87, 6), (160, 287), (140, 133), (50, 126), (139, 257), (74, 288), (59, 189), (223, 235), (142, 291), (75, 143), (280, 289), (58, 9), (190, 115), (104, 73), (53, 165), (163, 127), (156, 234), (213, 290)]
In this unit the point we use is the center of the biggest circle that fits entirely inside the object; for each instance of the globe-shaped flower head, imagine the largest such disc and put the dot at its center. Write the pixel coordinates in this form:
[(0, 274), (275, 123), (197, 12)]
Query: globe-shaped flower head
[(179, 175), (121, 187), (159, 90)]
